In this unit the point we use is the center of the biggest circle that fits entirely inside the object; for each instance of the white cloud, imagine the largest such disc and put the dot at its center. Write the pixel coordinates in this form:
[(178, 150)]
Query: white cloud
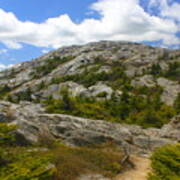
[(3, 51), (167, 8), (172, 11), (120, 20), (44, 51), (3, 66)]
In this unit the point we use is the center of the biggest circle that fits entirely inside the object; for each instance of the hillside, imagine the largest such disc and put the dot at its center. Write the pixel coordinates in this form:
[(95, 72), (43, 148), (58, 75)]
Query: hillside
[(125, 94), (115, 81)]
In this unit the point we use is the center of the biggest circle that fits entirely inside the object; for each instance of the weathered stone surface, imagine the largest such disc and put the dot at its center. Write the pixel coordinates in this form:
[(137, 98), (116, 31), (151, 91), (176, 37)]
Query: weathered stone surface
[(100, 88), (172, 130), (93, 177), (150, 143), (73, 88), (34, 122), (146, 80), (171, 90)]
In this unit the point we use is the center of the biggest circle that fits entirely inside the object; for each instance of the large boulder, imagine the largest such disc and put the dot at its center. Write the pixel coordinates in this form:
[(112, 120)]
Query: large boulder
[(172, 130), (146, 80), (93, 177), (99, 89), (171, 90)]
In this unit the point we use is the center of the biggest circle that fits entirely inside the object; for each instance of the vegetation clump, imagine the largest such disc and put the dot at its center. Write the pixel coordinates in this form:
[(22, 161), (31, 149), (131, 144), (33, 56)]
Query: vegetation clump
[(49, 66), (55, 161), (147, 111), (166, 163), (172, 73), (4, 90)]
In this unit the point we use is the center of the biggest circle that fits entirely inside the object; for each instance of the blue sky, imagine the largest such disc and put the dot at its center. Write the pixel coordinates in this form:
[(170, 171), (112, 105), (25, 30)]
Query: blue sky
[(31, 28)]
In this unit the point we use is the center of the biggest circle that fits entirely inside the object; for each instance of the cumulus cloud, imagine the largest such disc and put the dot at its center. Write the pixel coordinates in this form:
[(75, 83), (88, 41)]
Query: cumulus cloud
[(44, 51), (172, 11), (167, 8), (3, 51), (119, 20), (3, 66)]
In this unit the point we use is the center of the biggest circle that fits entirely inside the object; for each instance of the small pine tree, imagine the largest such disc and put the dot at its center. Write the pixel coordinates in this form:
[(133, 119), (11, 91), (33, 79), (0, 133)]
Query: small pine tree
[(156, 70), (177, 104)]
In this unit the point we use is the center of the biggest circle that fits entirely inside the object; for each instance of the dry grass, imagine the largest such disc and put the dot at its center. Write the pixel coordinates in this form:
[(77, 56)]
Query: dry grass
[(72, 162)]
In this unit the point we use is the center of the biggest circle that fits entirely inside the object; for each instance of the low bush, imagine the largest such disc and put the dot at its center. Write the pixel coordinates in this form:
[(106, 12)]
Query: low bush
[(146, 111), (50, 65), (172, 73), (58, 162), (166, 163), (177, 103), (4, 90)]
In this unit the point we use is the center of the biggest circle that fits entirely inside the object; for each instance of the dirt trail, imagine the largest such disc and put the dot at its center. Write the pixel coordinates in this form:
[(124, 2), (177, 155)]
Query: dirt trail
[(140, 172)]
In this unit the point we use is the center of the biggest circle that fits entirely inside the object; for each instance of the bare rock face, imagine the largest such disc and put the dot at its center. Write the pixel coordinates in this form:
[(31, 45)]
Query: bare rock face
[(76, 89), (146, 80), (93, 177), (101, 88), (172, 130), (171, 90), (34, 122)]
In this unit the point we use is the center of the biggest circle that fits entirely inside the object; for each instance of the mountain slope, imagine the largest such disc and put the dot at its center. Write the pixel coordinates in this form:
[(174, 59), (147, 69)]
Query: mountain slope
[(115, 81), (82, 111)]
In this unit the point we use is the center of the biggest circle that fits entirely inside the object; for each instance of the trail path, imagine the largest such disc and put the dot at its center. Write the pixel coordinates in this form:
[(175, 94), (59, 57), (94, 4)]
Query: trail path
[(140, 172)]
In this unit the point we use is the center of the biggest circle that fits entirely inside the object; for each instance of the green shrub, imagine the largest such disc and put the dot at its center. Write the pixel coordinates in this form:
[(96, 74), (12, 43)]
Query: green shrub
[(166, 163), (85, 78), (115, 79), (6, 135), (50, 65), (56, 161), (4, 90), (19, 163), (27, 165), (173, 72), (102, 94), (146, 111), (156, 70), (177, 103)]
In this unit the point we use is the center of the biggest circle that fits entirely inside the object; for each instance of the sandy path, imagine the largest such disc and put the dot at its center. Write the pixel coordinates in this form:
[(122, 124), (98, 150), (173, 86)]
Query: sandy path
[(140, 172)]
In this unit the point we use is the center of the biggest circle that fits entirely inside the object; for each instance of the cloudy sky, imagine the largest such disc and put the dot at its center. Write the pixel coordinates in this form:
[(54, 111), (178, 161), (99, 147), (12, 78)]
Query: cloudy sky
[(29, 28)]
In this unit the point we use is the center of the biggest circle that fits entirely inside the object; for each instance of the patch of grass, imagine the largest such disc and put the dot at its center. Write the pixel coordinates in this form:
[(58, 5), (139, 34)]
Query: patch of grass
[(72, 162), (56, 161)]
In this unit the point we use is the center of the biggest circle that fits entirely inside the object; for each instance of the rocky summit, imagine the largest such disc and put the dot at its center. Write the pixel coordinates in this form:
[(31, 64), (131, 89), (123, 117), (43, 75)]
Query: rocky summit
[(119, 92)]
